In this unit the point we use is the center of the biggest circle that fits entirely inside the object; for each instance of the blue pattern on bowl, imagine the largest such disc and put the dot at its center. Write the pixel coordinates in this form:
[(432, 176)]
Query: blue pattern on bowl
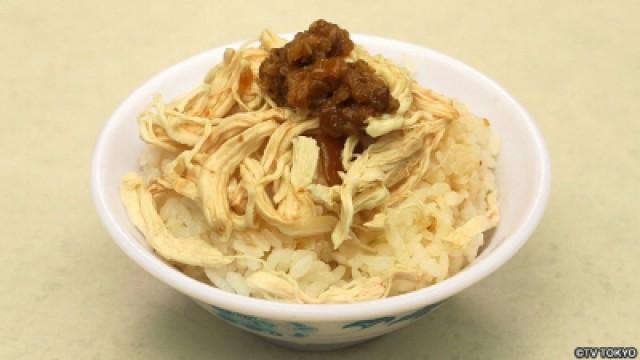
[(290, 329), (391, 320)]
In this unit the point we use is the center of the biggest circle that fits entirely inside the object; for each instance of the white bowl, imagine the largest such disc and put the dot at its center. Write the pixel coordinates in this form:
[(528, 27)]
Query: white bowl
[(523, 181)]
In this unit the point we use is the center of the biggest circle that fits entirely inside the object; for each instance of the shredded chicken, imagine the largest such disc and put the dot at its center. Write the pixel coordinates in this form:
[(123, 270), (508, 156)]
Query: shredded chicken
[(233, 193)]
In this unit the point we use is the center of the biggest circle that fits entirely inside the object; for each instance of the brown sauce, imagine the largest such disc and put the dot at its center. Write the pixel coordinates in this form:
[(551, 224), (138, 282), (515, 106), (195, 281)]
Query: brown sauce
[(330, 150), (245, 80), (311, 73)]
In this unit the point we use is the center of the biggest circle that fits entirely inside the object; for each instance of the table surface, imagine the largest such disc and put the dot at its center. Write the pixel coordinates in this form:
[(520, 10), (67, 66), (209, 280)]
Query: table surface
[(70, 293)]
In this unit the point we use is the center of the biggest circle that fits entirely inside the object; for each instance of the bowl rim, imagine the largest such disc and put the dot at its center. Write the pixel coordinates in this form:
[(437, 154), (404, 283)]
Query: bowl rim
[(328, 312)]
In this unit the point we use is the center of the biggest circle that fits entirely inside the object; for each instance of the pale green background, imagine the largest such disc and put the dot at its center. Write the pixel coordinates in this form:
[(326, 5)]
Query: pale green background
[(70, 293)]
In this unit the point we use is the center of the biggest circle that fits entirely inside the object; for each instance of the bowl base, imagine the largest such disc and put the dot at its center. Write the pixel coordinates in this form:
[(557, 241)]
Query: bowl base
[(317, 347)]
